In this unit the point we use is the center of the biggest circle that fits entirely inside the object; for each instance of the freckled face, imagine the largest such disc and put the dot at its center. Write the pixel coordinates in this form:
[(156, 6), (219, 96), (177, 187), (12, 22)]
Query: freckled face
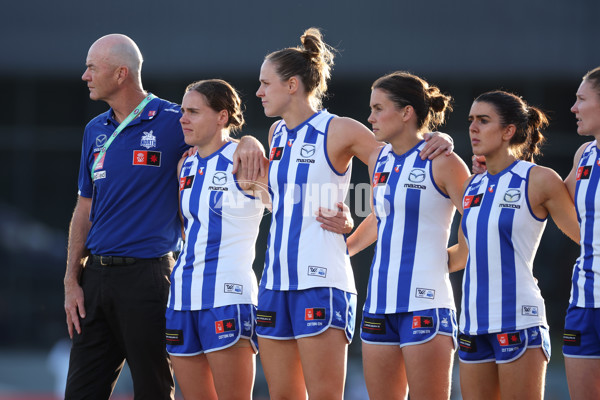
[(199, 121), (587, 109), (485, 129), (385, 118), (273, 92)]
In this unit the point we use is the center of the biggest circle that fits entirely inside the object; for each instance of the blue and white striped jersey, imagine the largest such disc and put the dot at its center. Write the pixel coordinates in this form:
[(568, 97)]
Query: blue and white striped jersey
[(585, 291), (499, 290), (221, 224), (301, 254), (410, 266)]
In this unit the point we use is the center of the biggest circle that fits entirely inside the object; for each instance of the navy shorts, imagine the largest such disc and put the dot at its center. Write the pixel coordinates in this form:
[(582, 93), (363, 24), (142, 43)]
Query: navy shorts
[(408, 328), (190, 333), (502, 347), (296, 314), (581, 338)]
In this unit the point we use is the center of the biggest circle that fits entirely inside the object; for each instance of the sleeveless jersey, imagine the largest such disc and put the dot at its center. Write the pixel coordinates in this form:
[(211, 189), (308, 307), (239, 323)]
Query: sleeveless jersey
[(585, 291), (221, 224), (410, 266), (499, 290), (301, 254)]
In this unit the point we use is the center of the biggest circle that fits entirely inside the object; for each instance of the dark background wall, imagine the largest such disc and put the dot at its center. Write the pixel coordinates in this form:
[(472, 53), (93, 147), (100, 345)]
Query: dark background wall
[(539, 49)]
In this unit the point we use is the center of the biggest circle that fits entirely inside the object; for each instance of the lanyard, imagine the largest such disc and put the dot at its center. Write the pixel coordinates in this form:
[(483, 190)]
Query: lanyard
[(99, 162)]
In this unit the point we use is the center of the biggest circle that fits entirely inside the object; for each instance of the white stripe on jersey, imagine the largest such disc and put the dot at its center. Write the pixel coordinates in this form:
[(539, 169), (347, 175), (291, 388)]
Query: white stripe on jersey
[(585, 290), (301, 254), (410, 266), (214, 268), (499, 290)]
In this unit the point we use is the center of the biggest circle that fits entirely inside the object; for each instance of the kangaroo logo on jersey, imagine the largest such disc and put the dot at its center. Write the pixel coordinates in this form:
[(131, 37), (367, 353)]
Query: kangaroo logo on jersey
[(314, 313), (584, 172), (422, 322), (224, 325), (186, 182), (417, 175), (276, 154), (148, 140), (380, 178), (472, 200), (512, 195), (507, 339), (219, 178), (144, 157)]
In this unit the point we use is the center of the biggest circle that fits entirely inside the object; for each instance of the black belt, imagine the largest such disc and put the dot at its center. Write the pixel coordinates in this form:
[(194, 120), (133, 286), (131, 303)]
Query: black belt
[(115, 260)]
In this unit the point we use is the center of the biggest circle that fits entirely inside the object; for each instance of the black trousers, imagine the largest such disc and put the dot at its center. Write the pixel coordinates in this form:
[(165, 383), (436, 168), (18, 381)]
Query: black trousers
[(125, 321)]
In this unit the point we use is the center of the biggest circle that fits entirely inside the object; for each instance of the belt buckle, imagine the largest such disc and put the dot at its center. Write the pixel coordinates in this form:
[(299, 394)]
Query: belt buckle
[(108, 258)]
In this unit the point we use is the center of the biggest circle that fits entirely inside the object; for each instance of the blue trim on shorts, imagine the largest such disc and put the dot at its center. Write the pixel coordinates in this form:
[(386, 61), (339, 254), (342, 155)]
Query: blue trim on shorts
[(191, 333), (503, 347), (409, 328), (296, 314)]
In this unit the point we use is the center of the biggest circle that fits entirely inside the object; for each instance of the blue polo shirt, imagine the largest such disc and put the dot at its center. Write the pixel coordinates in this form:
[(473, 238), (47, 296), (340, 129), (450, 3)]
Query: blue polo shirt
[(135, 194)]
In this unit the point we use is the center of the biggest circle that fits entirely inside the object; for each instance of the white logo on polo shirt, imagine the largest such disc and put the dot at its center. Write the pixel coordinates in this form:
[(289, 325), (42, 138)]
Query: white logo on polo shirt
[(148, 140)]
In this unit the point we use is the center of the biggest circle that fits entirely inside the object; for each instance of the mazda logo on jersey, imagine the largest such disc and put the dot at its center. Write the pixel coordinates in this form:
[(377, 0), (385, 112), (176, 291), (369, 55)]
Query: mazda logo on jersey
[(307, 150), (472, 200), (380, 178), (512, 195), (219, 178), (584, 172), (417, 175), (276, 154), (100, 140)]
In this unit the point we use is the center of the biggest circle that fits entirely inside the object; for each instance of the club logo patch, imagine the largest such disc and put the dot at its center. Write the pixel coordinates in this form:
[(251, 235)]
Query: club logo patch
[(472, 201), (380, 178), (276, 154), (148, 140), (145, 157), (186, 182), (224, 325), (508, 339), (422, 322), (311, 314), (584, 172)]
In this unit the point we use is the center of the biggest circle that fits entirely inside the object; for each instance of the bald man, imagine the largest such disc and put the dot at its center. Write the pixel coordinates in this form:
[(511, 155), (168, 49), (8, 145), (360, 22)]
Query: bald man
[(123, 231)]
